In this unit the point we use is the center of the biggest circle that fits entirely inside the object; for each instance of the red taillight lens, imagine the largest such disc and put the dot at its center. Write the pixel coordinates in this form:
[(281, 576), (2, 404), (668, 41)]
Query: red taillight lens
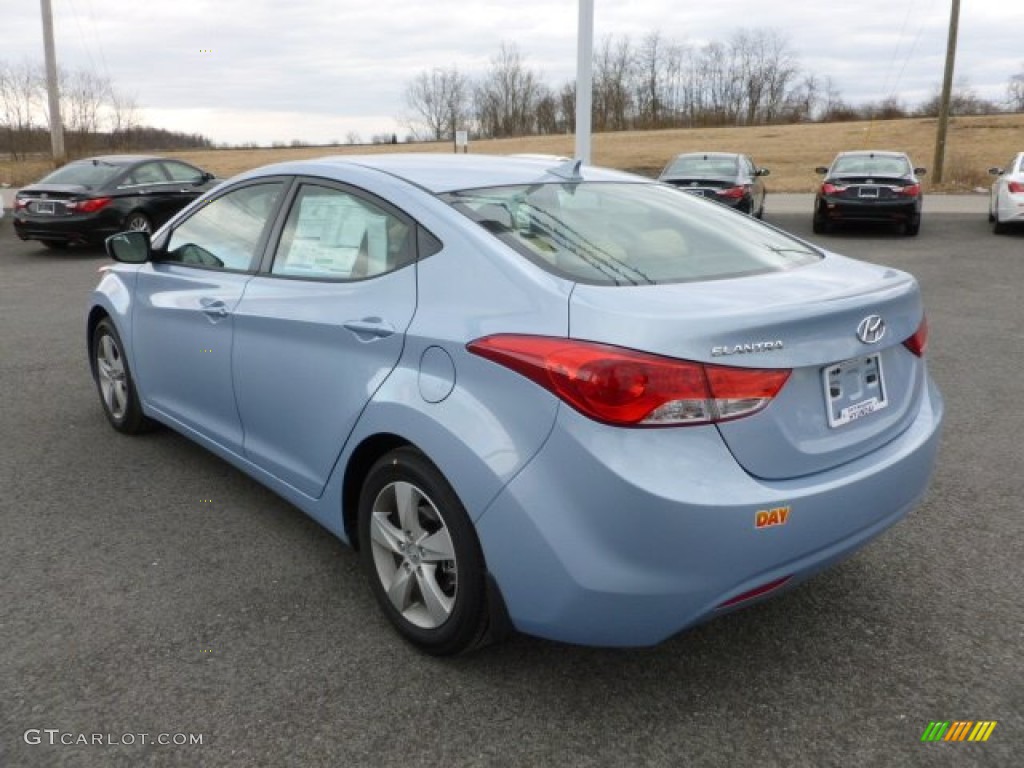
[(733, 193), (831, 189), (911, 191), (629, 388), (764, 589), (89, 206), (1015, 187), (918, 343)]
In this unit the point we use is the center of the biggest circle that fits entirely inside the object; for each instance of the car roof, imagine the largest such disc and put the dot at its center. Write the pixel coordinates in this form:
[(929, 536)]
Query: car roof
[(439, 173), (871, 153), (115, 159)]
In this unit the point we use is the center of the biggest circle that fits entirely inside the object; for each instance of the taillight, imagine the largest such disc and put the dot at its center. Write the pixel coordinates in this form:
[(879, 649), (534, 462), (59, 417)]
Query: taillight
[(733, 193), (89, 206), (918, 343), (20, 203), (832, 189), (624, 387), (912, 190), (1015, 187)]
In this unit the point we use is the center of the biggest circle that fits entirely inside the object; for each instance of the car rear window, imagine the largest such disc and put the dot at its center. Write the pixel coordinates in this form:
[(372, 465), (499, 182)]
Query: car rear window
[(613, 233), (703, 166), (871, 165), (86, 174)]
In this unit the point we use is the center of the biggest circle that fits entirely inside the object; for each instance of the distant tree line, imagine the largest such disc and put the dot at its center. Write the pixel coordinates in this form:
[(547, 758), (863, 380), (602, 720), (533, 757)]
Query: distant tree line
[(95, 114), (753, 78)]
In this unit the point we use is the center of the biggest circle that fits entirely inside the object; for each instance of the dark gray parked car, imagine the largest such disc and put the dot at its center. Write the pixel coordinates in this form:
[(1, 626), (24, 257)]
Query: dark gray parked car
[(725, 177)]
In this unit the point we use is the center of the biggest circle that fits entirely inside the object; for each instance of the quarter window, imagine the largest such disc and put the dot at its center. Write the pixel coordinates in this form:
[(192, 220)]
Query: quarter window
[(337, 235), (225, 233)]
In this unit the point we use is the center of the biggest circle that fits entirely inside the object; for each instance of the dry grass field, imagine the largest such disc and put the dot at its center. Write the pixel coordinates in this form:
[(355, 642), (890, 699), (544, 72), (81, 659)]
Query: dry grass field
[(791, 152)]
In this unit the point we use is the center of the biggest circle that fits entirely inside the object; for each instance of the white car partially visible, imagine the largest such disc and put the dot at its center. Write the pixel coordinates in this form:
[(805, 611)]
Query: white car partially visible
[(1006, 202)]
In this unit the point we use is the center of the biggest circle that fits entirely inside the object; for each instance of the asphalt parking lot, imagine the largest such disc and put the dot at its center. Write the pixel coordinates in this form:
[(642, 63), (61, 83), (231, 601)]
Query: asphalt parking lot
[(149, 588)]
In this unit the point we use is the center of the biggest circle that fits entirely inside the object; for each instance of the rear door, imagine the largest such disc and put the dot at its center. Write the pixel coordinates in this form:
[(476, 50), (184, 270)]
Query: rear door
[(184, 312), (320, 332)]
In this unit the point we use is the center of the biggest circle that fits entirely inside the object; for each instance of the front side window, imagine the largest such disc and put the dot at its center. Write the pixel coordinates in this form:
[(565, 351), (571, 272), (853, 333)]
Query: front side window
[(613, 233), (225, 233), (336, 235), (179, 172)]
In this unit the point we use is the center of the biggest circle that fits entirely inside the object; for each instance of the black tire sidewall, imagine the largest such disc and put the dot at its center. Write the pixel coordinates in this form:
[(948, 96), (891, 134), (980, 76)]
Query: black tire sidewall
[(465, 626), (134, 420)]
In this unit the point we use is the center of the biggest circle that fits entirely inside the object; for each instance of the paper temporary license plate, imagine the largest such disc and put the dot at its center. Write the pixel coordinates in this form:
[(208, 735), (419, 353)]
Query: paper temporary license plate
[(868, 192), (854, 389), (44, 207)]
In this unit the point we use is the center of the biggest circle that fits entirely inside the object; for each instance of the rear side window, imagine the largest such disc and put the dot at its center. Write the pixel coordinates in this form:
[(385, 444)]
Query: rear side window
[(612, 233), (332, 234)]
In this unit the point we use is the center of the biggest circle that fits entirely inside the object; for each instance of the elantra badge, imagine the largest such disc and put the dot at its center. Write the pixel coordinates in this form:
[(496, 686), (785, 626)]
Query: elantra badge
[(871, 329)]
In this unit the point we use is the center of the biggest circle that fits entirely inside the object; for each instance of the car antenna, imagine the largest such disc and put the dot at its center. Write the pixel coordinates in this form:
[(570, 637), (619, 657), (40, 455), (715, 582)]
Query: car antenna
[(569, 170)]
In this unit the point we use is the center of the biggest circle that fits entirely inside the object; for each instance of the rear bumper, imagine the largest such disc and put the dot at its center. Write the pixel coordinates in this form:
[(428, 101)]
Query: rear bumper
[(843, 209), (626, 537), (92, 230)]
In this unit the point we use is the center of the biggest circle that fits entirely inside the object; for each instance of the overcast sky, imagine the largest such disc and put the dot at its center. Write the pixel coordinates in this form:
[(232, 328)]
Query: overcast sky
[(317, 69)]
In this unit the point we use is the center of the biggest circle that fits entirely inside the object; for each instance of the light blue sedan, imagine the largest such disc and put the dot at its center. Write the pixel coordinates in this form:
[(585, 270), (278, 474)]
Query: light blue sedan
[(564, 400)]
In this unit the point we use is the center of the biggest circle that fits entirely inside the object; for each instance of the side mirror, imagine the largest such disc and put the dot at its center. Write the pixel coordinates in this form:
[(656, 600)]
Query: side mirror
[(920, 171), (763, 172), (821, 169), (129, 247), (996, 171)]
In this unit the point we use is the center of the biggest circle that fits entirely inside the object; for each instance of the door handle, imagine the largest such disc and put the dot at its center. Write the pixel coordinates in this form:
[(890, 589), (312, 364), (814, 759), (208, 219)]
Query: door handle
[(213, 307), (370, 328)]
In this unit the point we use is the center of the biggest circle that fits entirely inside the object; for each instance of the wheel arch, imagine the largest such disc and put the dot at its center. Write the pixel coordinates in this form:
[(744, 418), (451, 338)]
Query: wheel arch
[(96, 315), (362, 459)]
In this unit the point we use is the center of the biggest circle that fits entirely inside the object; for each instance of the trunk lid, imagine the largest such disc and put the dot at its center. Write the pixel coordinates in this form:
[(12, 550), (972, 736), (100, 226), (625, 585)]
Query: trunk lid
[(844, 397)]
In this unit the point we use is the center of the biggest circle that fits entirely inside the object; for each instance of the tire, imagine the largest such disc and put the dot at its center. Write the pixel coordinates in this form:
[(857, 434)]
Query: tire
[(137, 221), (998, 227), (820, 226), (436, 602), (55, 245), (114, 382), (912, 227)]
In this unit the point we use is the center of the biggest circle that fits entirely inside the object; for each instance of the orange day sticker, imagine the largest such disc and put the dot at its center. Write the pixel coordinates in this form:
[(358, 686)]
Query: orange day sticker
[(766, 518)]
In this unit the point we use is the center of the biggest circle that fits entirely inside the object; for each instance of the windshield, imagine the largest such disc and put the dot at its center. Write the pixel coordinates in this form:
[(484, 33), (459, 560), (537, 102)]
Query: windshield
[(86, 174), (871, 165), (703, 166), (613, 233)]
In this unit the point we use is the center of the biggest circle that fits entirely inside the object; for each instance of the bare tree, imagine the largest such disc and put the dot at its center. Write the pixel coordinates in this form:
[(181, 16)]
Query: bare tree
[(439, 100), (20, 104), (506, 97), (613, 65), (1015, 92), (122, 118)]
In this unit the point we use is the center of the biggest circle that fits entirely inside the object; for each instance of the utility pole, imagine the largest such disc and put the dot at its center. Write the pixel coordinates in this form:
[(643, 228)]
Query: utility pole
[(584, 78), (56, 126), (947, 90)]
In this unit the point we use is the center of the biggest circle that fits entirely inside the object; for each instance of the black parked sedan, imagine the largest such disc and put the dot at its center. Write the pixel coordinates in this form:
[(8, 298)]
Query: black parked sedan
[(88, 200), (869, 186), (725, 177)]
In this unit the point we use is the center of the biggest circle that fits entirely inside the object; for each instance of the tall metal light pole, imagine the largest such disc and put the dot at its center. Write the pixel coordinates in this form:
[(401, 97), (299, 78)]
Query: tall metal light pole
[(56, 126), (584, 78), (947, 90)]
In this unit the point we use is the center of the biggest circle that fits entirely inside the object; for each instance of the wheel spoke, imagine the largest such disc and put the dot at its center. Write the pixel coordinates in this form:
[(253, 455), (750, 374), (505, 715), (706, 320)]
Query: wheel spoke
[(437, 603), (407, 499), (437, 547), (119, 404), (384, 533), (400, 589)]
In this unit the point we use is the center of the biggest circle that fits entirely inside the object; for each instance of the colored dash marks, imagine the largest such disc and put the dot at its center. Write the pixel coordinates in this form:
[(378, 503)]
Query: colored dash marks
[(959, 730)]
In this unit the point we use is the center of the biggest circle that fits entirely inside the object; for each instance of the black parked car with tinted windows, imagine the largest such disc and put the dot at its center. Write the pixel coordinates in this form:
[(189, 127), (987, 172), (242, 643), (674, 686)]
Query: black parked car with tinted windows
[(869, 186), (725, 177), (88, 200)]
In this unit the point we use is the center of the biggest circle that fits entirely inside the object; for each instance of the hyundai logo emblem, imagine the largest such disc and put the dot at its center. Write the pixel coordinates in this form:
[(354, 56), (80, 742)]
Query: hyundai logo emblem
[(871, 329)]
